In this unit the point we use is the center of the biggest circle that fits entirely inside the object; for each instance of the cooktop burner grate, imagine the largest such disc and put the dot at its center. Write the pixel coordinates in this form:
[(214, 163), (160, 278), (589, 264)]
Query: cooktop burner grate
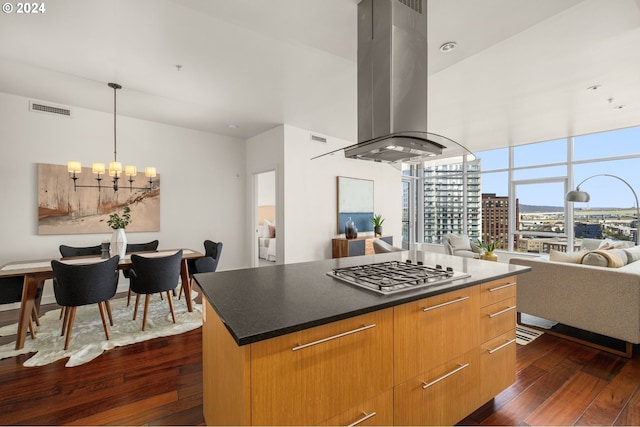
[(395, 276)]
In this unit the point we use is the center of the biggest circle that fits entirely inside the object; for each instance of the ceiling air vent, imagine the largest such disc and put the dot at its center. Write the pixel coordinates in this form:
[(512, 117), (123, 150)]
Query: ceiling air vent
[(317, 138), (413, 4), (50, 109)]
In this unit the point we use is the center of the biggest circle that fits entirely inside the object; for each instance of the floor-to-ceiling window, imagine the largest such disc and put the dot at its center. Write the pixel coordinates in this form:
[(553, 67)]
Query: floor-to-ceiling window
[(516, 195)]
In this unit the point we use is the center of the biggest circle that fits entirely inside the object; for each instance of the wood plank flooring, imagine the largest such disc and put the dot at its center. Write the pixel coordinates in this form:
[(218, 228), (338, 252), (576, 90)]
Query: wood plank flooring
[(159, 382)]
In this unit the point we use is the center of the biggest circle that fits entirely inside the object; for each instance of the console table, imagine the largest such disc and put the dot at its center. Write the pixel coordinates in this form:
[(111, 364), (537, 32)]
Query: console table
[(343, 247)]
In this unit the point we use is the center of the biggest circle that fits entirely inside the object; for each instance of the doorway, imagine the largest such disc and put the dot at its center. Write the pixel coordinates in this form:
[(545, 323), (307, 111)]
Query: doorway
[(265, 226)]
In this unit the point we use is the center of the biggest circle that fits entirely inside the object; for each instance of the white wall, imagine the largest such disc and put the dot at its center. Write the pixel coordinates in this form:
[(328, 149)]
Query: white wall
[(265, 152), (267, 188), (202, 190), (306, 190), (311, 194)]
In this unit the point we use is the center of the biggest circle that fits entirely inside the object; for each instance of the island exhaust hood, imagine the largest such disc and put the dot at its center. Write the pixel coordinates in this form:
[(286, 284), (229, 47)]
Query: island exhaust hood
[(392, 86)]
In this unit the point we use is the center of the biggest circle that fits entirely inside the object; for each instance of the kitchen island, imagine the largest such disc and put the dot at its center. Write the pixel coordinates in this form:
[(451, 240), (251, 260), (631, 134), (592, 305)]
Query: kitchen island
[(288, 344)]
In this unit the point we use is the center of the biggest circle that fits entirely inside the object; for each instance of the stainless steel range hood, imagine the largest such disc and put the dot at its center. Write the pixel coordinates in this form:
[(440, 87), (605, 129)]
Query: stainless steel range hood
[(392, 86), (392, 82)]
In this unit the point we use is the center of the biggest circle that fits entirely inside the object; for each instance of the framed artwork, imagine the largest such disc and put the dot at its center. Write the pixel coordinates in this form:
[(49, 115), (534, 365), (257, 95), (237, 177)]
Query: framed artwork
[(63, 210), (355, 201)]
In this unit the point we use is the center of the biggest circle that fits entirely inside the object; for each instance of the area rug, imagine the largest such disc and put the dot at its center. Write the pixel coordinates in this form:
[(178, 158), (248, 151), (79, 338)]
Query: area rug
[(88, 340), (525, 335)]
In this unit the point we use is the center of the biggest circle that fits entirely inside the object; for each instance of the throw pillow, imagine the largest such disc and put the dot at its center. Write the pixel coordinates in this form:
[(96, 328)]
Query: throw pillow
[(614, 258), (633, 254), (459, 242), (272, 231), (573, 258)]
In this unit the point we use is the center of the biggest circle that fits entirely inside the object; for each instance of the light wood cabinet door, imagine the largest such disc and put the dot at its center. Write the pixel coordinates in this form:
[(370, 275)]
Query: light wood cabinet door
[(497, 365), (441, 396), (498, 318), (375, 412), (433, 330), (305, 377), (497, 290)]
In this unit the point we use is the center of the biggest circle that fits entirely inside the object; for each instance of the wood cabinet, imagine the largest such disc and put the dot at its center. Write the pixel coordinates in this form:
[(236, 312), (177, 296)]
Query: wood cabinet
[(340, 365), (427, 362), (440, 396), (498, 348), (431, 331), (342, 247)]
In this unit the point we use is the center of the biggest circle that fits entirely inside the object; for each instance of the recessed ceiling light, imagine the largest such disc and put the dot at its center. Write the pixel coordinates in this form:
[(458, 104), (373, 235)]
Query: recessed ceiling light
[(594, 87), (619, 107), (448, 46), (233, 126)]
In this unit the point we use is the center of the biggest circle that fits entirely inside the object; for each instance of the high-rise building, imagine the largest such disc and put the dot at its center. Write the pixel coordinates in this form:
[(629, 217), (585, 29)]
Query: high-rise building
[(444, 204), (495, 219)]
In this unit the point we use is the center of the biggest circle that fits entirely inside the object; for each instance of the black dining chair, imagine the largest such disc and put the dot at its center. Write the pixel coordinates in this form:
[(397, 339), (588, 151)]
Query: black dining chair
[(75, 285), (69, 251), (152, 275), (138, 247), (208, 263), (11, 292)]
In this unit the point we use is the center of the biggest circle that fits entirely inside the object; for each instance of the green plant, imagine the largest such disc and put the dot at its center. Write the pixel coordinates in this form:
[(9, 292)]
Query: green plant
[(377, 220), (116, 221), (489, 247)]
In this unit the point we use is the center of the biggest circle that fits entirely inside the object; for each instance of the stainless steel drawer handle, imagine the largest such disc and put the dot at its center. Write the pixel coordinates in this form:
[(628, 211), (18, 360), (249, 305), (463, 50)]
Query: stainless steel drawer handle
[(500, 347), (503, 311), (508, 285), (363, 328), (445, 304), (363, 419), (458, 369)]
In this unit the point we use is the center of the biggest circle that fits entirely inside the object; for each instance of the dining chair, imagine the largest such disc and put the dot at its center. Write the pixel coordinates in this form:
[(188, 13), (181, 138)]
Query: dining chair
[(11, 292), (75, 285), (208, 263), (69, 251), (152, 275), (138, 247)]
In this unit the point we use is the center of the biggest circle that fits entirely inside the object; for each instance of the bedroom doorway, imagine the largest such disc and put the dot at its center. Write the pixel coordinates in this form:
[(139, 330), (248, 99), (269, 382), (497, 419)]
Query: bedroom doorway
[(265, 215)]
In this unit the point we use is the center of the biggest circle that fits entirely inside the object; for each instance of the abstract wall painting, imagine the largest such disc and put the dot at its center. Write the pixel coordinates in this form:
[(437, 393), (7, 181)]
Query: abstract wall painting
[(61, 210)]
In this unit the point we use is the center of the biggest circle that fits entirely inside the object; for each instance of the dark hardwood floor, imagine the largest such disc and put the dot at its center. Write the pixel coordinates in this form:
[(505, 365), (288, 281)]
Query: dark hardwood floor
[(159, 382)]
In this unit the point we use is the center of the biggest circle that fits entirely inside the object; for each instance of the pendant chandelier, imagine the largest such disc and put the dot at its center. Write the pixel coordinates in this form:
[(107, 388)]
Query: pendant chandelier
[(115, 167)]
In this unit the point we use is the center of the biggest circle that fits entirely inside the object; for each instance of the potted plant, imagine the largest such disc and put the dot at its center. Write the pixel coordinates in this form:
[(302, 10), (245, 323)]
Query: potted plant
[(119, 238), (488, 249), (377, 221)]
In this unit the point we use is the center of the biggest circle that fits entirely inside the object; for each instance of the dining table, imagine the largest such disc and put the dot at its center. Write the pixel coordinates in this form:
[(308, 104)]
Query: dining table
[(35, 272)]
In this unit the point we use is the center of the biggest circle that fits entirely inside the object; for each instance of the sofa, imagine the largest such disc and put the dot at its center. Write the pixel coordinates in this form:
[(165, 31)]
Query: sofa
[(589, 290)]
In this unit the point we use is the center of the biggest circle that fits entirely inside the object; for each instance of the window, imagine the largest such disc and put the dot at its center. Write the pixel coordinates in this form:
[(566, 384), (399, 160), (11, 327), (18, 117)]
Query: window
[(476, 197)]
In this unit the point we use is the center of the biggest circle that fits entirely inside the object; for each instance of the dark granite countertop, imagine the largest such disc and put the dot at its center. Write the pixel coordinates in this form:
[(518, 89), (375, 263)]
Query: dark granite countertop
[(265, 302)]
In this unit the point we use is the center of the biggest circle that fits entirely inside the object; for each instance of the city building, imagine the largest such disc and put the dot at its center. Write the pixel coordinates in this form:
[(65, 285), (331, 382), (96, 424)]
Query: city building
[(495, 219), (445, 208)]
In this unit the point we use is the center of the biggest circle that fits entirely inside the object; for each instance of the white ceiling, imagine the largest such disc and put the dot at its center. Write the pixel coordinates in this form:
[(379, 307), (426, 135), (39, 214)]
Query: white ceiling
[(520, 72)]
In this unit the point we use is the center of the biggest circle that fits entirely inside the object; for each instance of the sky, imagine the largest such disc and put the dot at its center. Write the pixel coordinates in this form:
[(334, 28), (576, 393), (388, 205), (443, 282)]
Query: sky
[(605, 191)]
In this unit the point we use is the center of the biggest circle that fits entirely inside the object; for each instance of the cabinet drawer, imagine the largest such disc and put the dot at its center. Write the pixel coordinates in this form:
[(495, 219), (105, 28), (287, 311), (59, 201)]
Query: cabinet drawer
[(375, 412), (497, 365), (497, 290), (433, 330), (441, 396), (498, 318), (307, 376)]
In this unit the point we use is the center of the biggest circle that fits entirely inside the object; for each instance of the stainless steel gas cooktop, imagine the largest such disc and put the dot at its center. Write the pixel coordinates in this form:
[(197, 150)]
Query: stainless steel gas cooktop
[(394, 276)]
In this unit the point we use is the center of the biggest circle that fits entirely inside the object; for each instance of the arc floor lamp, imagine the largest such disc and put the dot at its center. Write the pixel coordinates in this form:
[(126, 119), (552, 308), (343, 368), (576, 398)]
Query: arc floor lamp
[(582, 196)]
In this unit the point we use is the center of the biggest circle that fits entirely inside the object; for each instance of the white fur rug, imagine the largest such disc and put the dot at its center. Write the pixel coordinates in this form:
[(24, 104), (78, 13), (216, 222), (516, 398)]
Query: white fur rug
[(88, 340)]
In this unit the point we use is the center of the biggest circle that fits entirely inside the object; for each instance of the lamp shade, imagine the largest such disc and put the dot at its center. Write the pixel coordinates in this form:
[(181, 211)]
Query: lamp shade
[(130, 170), (73, 166), (115, 168), (577, 196), (97, 168), (150, 172)]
